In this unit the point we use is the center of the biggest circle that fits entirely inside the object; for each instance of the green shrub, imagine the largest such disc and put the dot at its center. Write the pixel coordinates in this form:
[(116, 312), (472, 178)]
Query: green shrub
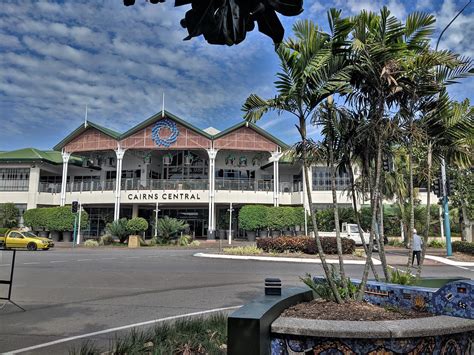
[(435, 243), (395, 242), (304, 245), (169, 227), (91, 243), (184, 240), (245, 250), (463, 247), (9, 215), (253, 217), (402, 277), (4, 231), (118, 229), (322, 289), (137, 225), (58, 219), (195, 243), (106, 240)]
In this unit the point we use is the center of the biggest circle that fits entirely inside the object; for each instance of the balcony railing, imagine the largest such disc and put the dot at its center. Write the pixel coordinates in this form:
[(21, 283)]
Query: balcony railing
[(155, 184), (14, 185)]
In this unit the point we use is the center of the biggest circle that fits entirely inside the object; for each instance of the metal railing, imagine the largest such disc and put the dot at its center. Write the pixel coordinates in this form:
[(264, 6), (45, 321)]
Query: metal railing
[(14, 185), (156, 184)]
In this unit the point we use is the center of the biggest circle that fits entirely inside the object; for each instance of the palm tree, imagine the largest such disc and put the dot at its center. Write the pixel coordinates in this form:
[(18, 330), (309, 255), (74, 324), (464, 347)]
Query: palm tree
[(313, 67), (328, 118)]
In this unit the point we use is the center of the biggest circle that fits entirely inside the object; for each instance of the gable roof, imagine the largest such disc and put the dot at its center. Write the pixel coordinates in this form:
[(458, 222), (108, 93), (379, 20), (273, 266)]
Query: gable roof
[(157, 117), (255, 128), (107, 131), (35, 155)]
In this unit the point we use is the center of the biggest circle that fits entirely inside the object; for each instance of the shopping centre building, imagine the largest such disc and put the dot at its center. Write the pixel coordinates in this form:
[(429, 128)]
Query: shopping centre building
[(163, 163)]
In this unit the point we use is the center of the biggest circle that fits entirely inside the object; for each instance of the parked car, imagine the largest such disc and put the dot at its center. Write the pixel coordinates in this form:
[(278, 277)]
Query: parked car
[(22, 239), (350, 231)]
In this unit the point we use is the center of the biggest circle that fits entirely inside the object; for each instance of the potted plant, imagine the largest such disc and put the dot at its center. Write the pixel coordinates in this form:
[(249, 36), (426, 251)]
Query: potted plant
[(36, 219), (118, 229), (249, 220), (136, 226)]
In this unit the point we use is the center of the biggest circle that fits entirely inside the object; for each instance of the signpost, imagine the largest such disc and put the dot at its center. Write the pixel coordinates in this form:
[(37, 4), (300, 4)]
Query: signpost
[(9, 282), (156, 219)]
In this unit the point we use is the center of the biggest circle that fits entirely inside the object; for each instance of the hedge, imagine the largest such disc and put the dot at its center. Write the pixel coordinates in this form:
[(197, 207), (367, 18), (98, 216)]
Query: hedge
[(463, 247), (258, 217), (253, 217), (58, 219), (305, 245)]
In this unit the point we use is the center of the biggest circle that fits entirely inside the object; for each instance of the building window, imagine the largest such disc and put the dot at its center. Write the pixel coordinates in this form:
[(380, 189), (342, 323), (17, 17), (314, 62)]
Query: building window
[(322, 179), (14, 179)]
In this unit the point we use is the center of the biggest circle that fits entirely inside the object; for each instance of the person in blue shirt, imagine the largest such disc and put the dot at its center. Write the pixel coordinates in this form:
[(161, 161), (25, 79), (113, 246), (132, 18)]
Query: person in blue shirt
[(417, 244)]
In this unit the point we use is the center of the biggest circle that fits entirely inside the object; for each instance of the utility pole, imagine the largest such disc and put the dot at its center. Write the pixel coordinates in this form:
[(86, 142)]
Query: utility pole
[(447, 226)]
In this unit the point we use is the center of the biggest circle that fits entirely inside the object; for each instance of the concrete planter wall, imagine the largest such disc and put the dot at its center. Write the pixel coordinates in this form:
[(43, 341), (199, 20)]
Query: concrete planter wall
[(67, 236), (54, 235), (251, 236), (257, 328), (432, 335)]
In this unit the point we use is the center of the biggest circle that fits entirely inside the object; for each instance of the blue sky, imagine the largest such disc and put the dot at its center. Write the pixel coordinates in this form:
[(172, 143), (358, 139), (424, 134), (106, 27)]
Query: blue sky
[(57, 57)]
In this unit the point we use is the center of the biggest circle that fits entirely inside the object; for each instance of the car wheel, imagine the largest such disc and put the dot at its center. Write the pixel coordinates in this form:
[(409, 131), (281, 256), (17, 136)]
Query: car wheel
[(31, 246), (45, 248)]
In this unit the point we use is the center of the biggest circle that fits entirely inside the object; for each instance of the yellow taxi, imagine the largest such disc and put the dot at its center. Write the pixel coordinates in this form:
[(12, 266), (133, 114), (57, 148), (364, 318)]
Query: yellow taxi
[(24, 239)]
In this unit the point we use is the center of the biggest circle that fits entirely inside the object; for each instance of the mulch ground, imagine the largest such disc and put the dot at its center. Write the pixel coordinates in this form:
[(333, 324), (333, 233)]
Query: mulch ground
[(351, 311), (462, 257)]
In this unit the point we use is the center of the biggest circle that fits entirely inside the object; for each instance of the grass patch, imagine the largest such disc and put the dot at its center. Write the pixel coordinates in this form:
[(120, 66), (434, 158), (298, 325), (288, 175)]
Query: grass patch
[(185, 336), (246, 250)]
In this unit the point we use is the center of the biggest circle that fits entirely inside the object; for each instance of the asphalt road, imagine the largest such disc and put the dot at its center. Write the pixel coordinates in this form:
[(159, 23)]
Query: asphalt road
[(70, 292)]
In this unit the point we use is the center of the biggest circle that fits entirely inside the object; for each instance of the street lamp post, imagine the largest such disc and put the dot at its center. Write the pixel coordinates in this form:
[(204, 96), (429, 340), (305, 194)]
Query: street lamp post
[(230, 223), (156, 219), (447, 226)]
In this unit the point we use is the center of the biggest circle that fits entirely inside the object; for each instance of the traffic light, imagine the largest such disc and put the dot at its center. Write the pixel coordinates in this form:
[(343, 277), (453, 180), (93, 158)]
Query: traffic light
[(74, 206), (386, 164), (437, 187), (449, 186)]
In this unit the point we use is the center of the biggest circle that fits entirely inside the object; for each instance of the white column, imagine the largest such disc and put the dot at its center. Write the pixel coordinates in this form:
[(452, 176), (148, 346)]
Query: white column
[(212, 172), (118, 181), (134, 210), (275, 158), (65, 156), (33, 187)]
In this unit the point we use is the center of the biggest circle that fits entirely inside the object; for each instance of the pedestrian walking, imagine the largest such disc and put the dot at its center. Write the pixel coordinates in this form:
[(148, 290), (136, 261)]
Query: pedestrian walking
[(417, 243)]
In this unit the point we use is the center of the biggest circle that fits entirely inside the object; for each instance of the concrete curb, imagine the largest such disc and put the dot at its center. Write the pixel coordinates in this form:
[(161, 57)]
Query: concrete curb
[(282, 259), (449, 261)]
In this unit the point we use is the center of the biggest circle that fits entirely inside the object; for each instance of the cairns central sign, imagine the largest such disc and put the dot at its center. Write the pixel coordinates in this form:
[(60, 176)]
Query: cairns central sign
[(182, 196)]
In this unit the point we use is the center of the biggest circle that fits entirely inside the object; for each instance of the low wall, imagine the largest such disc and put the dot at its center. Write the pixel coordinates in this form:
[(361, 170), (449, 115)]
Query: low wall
[(432, 335), (256, 328)]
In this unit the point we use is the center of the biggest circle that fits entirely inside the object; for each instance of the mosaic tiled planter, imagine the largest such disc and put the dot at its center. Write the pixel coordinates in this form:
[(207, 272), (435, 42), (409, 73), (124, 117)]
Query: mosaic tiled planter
[(451, 331)]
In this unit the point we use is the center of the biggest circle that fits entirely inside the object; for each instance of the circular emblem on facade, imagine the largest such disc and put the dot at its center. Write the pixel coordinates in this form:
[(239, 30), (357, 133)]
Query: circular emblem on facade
[(165, 132)]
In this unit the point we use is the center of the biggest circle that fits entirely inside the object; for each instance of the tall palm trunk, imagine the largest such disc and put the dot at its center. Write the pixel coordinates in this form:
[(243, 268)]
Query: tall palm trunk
[(382, 256), (412, 199), (357, 216), (319, 246), (373, 202), (428, 210), (336, 215)]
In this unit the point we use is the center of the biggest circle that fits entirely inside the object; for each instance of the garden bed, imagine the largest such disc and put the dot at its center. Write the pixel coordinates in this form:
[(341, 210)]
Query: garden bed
[(350, 311)]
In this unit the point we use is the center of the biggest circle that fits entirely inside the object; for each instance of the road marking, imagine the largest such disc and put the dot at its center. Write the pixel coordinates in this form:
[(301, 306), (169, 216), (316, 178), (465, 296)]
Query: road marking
[(59, 261), (84, 260), (133, 257), (108, 259), (283, 259), (4, 264), (116, 329), (31, 263)]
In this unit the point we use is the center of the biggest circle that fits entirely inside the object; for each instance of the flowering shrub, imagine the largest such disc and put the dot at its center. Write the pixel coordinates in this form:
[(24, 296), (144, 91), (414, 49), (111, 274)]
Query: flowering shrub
[(305, 245)]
